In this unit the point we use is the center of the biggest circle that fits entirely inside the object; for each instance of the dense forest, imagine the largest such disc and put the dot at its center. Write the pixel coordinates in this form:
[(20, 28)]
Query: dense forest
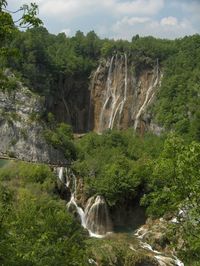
[(160, 173)]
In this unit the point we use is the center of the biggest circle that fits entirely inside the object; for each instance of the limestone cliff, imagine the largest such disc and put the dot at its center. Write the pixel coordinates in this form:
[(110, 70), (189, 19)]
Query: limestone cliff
[(116, 95), (120, 95), (21, 130)]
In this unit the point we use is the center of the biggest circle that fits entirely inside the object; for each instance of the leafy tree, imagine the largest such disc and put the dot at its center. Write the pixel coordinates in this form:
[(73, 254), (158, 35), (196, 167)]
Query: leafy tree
[(35, 228), (174, 186), (61, 138)]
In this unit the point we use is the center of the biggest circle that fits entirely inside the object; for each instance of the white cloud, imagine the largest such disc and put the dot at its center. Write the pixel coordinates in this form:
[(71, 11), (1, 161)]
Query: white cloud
[(74, 8), (169, 21), (168, 27), (70, 9), (119, 18), (129, 22)]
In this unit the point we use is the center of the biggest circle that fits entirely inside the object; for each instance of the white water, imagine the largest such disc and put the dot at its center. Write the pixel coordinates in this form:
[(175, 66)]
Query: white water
[(60, 173), (108, 93), (95, 218), (116, 96), (149, 96), (125, 89), (162, 259)]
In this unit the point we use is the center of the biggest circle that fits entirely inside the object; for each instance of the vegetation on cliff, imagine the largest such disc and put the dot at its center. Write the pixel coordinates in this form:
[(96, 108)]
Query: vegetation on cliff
[(66, 63)]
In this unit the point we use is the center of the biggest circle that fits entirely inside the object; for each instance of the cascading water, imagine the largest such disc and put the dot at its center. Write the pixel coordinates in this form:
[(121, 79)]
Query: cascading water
[(121, 92), (116, 93), (149, 95), (108, 94), (96, 217), (162, 259)]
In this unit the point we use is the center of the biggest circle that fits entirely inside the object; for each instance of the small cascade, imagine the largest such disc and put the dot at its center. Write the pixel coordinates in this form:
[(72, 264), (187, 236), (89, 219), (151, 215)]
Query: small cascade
[(149, 95), (116, 93), (163, 260), (96, 217)]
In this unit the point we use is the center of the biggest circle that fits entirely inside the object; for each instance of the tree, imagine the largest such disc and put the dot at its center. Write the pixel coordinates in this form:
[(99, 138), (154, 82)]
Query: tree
[(174, 187), (8, 26)]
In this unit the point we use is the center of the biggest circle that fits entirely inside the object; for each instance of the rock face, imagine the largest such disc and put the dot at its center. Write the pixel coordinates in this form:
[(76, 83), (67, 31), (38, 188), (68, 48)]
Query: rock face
[(117, 96), (128, 216), (21, 131), (70, 103), (120, 96)]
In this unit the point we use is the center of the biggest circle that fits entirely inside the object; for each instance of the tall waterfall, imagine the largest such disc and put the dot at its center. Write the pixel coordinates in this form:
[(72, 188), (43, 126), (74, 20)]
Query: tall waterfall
[(120, 94), (116, 93), (95, 218), (149, 95)]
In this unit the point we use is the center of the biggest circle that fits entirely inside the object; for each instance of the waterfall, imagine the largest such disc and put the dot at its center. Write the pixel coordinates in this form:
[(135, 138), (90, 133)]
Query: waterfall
[(116, 93), (108, 94), (125, 89), (148, 97), (95, 218)]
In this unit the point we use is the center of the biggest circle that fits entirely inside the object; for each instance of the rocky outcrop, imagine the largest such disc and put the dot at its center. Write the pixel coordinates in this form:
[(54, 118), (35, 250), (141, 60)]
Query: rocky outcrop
[(155, 237), (21, 129)]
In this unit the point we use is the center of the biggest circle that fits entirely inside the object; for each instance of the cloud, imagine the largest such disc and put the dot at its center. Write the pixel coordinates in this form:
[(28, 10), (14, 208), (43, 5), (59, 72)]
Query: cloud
[(127, 22), (74, 8), (148, 7), (167, 27), (70, 9), (119, 18), (169, 21)]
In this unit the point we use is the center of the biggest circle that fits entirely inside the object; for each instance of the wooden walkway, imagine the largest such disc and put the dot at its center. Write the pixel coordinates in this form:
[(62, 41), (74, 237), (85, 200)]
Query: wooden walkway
[(7, 158)]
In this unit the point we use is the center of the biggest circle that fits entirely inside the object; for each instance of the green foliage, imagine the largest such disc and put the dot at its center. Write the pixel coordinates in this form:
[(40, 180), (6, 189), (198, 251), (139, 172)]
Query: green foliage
[(35, 228), (116, 251), (7, 83), (174, 185), (177, 105), (29, 172), (8, 29), (115, 164), (61, 138)]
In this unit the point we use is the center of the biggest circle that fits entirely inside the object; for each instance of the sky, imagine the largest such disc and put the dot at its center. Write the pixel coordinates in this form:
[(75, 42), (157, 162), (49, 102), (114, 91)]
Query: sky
[(119, 19)]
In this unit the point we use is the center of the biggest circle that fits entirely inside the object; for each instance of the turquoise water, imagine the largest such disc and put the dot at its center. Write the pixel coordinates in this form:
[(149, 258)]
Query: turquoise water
[(3, 162)]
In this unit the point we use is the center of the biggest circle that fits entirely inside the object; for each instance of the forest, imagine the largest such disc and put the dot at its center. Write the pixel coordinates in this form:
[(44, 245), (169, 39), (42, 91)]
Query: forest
[(57, 58), (160, 173)]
